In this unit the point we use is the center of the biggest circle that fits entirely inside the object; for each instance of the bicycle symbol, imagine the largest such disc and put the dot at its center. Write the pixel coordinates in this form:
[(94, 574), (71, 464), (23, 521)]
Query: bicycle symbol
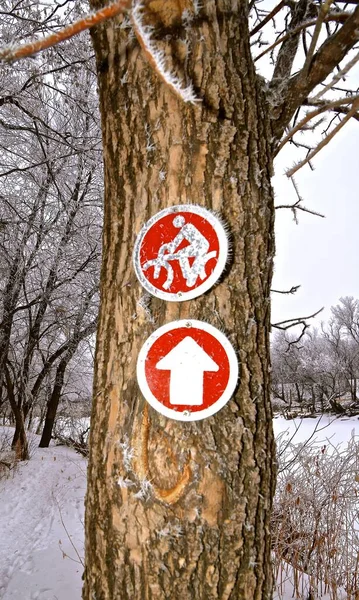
[(197, 250)]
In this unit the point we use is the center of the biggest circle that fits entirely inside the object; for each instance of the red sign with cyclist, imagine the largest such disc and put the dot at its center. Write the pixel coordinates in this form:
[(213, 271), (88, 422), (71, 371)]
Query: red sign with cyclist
[(180, 252)]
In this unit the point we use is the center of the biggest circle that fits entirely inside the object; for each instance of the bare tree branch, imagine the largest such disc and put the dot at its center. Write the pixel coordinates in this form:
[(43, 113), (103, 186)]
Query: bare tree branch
[(338, 76), (326, 140), (112, 10), (292, 290), (298, 321), (297, 206), (329, 55), (287, 323), (270, 16), (324, 106), (324, 9), (288, 50), (337, 17)]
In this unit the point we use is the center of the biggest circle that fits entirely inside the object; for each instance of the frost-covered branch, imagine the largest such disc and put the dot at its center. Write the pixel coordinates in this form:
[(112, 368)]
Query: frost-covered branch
[(324, 106), (14, 52), (324, 61), (352, 112)]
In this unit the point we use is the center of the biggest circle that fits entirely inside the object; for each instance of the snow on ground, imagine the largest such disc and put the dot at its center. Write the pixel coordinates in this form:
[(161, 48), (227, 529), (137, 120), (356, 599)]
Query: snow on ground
[(44, 497), (39, 501), (292, 584), (336, 430)]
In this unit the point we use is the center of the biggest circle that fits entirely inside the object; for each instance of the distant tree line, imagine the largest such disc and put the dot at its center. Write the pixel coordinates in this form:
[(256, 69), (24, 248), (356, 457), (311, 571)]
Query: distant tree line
[(321, 371), (50, 229)]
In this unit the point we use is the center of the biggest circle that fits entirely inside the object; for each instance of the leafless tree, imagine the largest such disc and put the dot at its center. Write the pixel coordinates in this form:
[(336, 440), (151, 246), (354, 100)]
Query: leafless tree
[(51, 192), (187, 117)]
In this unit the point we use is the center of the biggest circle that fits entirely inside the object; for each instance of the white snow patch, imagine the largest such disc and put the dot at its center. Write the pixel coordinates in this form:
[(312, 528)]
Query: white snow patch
[(338, 430)]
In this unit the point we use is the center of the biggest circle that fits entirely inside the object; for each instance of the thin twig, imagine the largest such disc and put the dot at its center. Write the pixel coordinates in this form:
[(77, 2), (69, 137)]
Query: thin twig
[(297, 319), (297, 206), (338, 77), (112, 10), (325, 141), (324, 9), (289, 323), (324, 106), (270, 16), (67, 533), (292, 290), (339, 17)]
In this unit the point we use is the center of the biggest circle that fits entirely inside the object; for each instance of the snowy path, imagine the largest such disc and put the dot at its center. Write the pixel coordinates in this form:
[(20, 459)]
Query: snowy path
[(37, 560)]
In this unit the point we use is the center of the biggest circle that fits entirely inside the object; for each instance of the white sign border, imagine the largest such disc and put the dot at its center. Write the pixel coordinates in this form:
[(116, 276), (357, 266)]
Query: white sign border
[(187, 415), (217, 271)]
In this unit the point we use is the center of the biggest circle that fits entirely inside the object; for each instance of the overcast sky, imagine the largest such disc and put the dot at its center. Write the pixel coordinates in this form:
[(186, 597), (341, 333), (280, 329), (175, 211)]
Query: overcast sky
[(322, 255)]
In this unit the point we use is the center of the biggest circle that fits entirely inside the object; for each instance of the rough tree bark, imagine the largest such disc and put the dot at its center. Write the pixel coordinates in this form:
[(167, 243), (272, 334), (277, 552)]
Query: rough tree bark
[(201, 528)]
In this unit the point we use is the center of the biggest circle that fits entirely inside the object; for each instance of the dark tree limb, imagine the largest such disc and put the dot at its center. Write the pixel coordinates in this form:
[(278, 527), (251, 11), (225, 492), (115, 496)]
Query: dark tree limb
[(297, 321), (292, 290), (288, 50), (329, 55), (270, 16)]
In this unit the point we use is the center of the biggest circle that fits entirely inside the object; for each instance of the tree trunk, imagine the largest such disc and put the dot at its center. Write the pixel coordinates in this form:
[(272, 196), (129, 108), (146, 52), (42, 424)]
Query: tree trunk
[(210, 538), (19, 442), (52, 405)]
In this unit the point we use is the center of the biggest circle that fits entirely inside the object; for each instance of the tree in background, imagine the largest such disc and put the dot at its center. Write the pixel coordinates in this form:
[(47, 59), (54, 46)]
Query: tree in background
[(51, 192), (323, 370), (180, 510)]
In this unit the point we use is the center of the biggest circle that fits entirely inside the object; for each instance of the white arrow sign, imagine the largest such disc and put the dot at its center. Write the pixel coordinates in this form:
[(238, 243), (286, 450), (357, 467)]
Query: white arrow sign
[(187, 362), (172, 366)]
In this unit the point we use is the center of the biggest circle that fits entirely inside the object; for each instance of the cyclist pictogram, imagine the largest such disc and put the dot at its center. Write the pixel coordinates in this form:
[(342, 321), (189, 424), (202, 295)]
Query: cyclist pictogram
[(180, 252), (197, 250)]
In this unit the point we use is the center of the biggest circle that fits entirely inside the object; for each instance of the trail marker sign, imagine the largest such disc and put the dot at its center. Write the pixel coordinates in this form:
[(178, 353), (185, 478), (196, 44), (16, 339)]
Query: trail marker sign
[(187, 370), (180, 252)]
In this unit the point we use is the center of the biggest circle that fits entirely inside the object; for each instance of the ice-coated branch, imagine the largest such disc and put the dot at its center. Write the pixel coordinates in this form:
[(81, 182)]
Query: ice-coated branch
[(12, 53), (324, 106), (325, 141), (324, 61)]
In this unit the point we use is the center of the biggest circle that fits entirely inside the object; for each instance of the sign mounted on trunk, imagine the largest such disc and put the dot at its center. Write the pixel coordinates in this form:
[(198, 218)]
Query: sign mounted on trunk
[(187, 370), (180, 252)]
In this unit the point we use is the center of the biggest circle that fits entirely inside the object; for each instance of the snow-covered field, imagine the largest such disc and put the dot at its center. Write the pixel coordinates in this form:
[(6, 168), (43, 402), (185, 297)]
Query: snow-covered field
[(324, 429), (41, 516)]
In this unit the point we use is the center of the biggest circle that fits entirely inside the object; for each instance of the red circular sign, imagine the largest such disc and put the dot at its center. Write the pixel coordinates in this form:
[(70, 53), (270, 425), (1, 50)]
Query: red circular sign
[(180, 252), (187, 370)]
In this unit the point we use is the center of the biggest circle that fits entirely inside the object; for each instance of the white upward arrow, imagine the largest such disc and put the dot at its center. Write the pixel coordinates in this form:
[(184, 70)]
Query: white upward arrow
[(187, 362)]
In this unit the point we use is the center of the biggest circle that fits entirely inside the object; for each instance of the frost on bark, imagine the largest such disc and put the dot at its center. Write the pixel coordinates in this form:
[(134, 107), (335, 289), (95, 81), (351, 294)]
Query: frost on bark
[(181, 510)]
